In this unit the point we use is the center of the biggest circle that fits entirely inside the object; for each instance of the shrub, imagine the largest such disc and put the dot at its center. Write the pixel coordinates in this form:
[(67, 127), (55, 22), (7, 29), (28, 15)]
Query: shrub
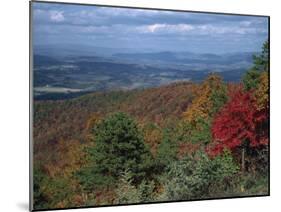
[(192, 177), (127, 192)]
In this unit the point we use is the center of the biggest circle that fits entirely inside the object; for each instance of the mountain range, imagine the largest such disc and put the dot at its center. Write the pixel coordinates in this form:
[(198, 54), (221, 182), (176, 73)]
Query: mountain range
[(66, 71)]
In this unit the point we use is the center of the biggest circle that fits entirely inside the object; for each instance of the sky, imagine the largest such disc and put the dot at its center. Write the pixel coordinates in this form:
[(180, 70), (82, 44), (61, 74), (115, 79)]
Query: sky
[(146, 30)]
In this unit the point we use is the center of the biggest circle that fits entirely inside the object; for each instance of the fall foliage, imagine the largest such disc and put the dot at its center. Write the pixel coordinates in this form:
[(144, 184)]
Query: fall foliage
[(210, 96), (262, 92), (237, 123), (185, 140)]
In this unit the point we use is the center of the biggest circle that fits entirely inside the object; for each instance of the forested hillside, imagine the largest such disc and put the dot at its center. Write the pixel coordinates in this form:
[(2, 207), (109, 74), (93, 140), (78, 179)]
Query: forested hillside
[(180, 141)]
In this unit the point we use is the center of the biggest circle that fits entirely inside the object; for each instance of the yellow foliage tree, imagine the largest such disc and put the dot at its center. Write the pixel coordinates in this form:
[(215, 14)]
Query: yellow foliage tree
[(208, 98), (94, 119), (67, 158), (262, 92)]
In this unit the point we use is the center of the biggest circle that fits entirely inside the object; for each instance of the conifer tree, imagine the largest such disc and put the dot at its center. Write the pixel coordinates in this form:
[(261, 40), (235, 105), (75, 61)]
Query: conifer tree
[(118, 146)]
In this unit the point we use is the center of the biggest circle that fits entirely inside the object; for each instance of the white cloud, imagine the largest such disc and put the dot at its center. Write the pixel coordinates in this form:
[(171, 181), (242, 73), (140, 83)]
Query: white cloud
[(211, 29), (155, 27), (130, 12), (165, 28), (204, 29), (57, 16), (246, 23)]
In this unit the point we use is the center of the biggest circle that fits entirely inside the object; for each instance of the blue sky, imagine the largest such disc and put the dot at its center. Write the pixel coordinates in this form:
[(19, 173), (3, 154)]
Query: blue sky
[(146, 30)]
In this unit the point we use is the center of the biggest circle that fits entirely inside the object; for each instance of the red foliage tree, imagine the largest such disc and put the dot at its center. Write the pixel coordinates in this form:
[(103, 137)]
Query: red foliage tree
[(238, 124)]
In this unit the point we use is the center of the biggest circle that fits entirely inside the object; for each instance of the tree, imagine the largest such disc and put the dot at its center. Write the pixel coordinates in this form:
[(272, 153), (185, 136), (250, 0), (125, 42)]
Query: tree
[(167, 151), (195, 134), (54, 184), (252, 77), (193, 176), (262, 92), (40, 198), (127, 192), (94, 119), (152, 136), (238, 125), (261, 61), (118, 145), (211, 95)]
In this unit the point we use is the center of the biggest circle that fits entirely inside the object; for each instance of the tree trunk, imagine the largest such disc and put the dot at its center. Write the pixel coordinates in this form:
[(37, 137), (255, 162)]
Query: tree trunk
[(243, 160)]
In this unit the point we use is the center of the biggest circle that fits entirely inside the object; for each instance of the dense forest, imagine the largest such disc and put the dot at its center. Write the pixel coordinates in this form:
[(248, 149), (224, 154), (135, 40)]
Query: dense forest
[(181, 141)]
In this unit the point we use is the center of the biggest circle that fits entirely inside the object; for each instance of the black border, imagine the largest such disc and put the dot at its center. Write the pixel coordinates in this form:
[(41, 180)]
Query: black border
[(31, 105)]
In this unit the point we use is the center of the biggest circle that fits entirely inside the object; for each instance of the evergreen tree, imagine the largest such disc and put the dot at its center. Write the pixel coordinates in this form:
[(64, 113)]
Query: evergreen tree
[(118, 146), (167, 150), (261, 61), (252, 77)]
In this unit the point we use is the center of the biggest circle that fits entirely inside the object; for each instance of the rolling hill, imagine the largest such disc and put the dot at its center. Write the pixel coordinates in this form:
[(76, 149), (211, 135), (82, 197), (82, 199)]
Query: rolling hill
[(67, 119)]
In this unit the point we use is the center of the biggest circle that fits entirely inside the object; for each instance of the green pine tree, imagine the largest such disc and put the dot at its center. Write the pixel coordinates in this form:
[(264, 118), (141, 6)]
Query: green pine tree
[(261, 63), (118, 146)]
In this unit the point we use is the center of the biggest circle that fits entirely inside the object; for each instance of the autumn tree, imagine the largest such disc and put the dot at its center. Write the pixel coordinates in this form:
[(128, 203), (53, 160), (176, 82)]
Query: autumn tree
[(262, 92), (209, 98), (243, 121), (238, 125), (152, 136), (54, 183), (94, 119), (261, 96), (211, 95), (119, 146)]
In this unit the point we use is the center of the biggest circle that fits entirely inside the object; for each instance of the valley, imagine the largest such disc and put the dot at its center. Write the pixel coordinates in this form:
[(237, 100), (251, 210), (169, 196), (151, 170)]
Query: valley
[(64, 76)]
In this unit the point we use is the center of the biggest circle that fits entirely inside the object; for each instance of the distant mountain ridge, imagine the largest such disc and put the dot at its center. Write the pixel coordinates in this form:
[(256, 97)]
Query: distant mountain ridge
[(187, 57), (61, 71)]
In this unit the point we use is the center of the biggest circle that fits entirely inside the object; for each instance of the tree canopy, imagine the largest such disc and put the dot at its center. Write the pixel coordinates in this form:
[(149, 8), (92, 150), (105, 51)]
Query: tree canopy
[(118, 146)]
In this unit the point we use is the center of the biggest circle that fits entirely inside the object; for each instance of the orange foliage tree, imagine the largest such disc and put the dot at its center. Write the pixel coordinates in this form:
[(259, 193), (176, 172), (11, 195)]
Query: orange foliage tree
[(152, 136), (210, 96)]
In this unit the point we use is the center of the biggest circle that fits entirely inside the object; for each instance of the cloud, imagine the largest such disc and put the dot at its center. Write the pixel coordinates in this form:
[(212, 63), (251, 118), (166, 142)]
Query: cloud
[(246, 23), (121, 26), (204, 29), (212, 29), (166, 28), (56, 16), (45, 17), (118, 12)]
